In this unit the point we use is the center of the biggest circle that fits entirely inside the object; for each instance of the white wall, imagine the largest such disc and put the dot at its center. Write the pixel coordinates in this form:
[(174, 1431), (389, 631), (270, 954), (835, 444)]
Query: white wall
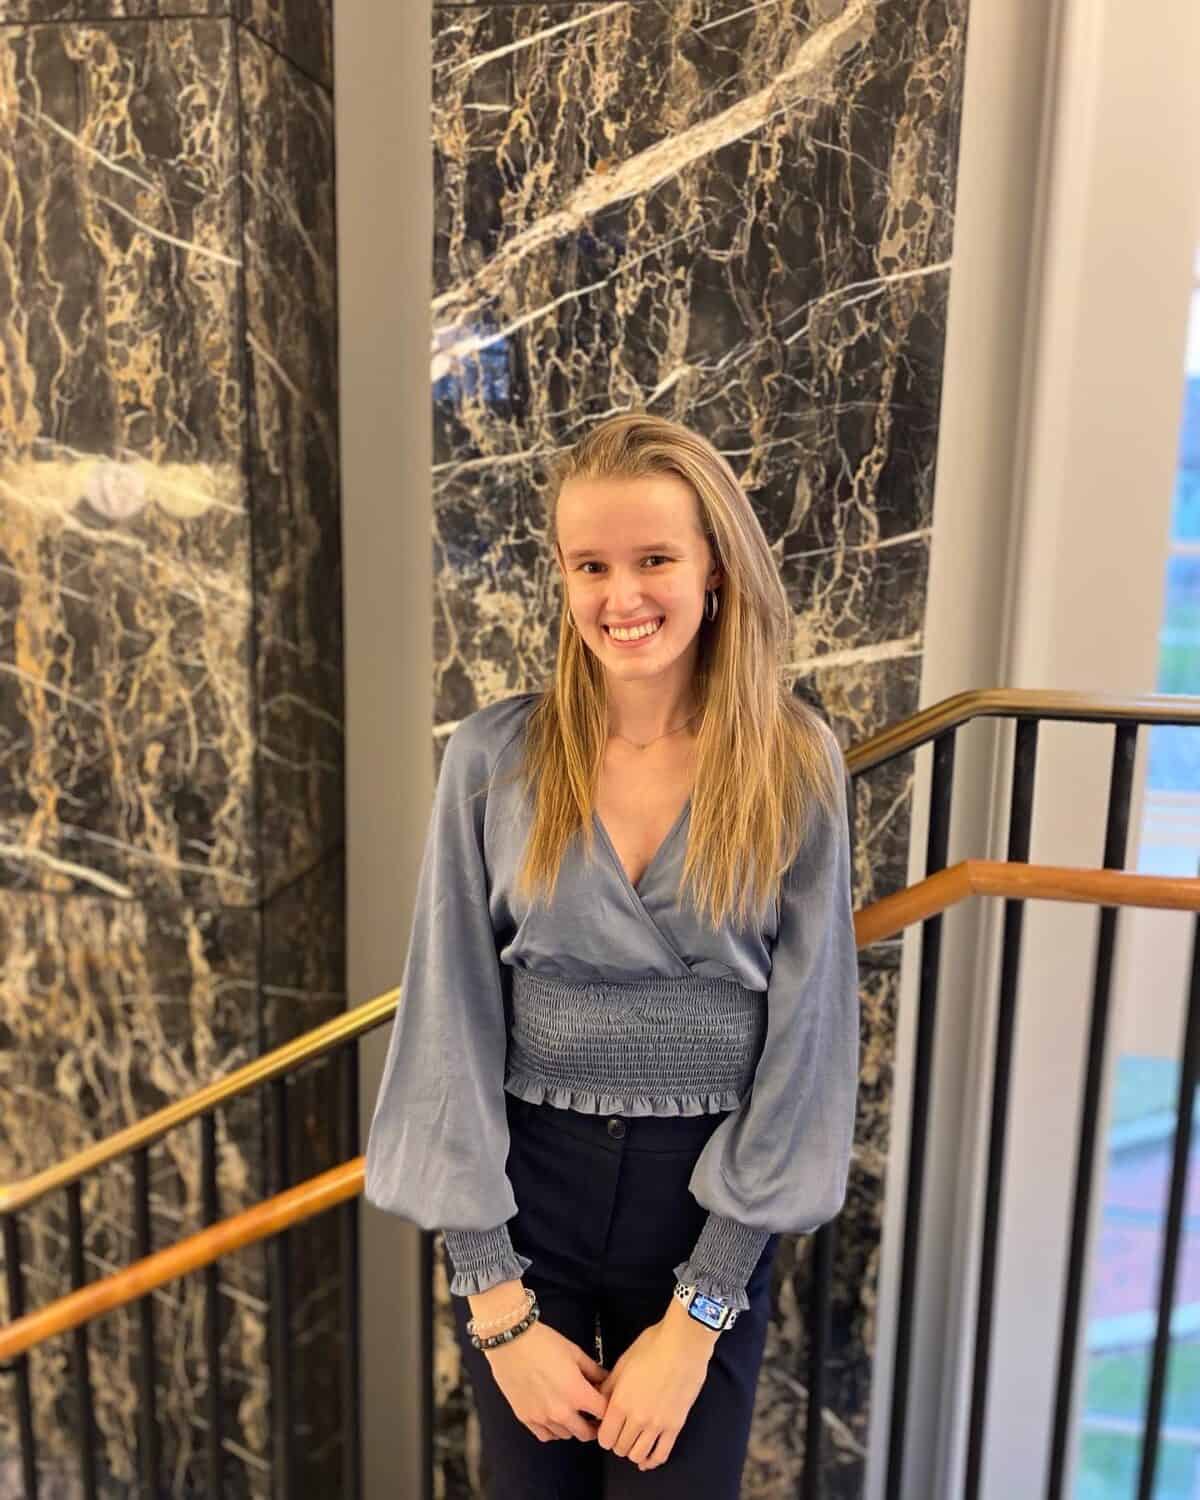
[(1057, 447), (1008, 45), (385, 230), (1108, 338)]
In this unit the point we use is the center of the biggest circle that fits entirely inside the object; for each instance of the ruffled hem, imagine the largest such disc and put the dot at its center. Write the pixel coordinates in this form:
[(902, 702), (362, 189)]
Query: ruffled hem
[(482, 1278), (711, 1286), (589, 1101)]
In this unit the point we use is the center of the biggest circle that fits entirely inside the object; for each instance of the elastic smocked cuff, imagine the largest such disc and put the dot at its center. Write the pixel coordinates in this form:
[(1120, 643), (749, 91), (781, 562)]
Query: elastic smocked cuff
[(482, 1258), (723, 1259)]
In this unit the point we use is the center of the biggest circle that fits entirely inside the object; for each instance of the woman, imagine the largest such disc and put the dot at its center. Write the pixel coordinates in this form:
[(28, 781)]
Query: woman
[(626, 1055)]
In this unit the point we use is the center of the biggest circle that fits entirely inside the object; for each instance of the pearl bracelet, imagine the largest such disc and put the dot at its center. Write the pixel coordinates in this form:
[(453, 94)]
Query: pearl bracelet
[(475, 1326)]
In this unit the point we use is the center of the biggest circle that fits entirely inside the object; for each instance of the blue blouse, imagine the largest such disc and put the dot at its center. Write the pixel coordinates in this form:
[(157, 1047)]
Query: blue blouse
[(493, 998)]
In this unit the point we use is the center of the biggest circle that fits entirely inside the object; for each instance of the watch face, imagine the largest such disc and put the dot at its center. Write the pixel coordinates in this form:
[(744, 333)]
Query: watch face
[(707, 1310)]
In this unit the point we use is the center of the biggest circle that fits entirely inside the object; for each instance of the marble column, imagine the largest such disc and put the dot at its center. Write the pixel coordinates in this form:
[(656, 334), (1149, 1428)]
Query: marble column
[(171, 820), (738, 215)]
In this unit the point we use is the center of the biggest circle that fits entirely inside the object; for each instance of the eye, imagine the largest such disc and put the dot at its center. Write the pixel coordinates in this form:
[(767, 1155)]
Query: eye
[(650, 557)]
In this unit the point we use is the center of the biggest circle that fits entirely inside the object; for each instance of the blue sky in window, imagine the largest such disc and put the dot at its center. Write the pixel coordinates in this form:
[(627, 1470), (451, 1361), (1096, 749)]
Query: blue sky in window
[(1174, 764)]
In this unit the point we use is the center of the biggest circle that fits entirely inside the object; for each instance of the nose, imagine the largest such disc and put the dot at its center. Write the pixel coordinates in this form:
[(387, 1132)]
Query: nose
[(625, 595)]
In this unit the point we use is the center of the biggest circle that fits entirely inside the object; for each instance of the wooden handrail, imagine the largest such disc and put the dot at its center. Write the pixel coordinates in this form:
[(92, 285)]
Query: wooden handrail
[(916, 730), (985, 703), (882, 919), (258, 1223), (1019, 882), (301, 1049)]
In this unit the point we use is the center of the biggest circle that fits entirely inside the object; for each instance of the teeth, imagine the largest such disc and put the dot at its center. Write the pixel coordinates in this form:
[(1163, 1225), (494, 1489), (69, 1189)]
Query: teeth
[(633, 635)]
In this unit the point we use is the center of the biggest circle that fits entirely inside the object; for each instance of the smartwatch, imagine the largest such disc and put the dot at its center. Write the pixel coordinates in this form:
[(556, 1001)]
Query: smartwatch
[(711, 1311)]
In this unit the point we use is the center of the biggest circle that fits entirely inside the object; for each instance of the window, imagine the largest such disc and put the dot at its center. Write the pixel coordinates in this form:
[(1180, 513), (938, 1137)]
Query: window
[(1125, 1271)]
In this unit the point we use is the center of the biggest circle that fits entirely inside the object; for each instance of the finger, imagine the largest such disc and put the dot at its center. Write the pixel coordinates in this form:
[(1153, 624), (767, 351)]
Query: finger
[(559, 1430), (640, 1451), (583, 1429), (586, 1397), (630, 1433), (543, 1434), (588, 1421), (590, 1368), (610, 1428), (610, 1380), (662, 1452)]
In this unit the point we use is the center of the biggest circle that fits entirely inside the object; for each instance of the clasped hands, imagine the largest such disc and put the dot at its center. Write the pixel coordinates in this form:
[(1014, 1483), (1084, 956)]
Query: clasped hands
[(649, 1391)]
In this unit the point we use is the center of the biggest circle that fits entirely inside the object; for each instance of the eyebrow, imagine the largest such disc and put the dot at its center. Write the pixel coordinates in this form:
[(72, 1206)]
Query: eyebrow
[(581, 552)]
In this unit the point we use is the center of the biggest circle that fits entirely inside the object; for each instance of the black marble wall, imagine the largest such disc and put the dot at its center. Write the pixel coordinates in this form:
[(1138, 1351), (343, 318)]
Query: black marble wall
[(738, 213), (171, 825)]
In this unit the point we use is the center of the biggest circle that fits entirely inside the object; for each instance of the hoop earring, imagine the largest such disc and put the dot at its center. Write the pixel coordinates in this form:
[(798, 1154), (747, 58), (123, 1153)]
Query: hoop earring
[(710, 594), (571, 625)]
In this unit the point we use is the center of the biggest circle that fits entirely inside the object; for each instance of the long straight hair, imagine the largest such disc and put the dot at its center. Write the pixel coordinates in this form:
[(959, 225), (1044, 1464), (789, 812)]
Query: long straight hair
[(763, 756)]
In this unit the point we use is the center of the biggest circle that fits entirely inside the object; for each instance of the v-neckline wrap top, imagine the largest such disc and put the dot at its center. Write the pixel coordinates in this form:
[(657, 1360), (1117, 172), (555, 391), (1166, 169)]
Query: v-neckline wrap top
[(613, 999)]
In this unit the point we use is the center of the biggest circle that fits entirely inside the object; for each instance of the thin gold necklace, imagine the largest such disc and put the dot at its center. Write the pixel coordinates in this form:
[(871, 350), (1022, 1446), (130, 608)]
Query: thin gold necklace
[(613, 733)]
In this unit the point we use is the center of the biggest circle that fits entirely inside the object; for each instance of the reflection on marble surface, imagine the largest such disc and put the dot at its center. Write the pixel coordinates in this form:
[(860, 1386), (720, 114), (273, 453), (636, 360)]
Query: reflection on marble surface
[(171, 890), (739, 216), (124, 535)]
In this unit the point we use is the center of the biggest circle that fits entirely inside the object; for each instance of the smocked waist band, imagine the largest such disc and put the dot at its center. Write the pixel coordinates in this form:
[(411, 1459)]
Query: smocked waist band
[(661, 1046)]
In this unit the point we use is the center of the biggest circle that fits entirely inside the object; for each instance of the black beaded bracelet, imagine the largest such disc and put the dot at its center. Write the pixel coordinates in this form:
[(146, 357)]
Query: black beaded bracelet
[(493, 1340)]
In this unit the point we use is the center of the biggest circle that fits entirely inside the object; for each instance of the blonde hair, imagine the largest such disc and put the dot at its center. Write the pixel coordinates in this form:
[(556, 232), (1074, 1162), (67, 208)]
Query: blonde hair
[(761, 763)]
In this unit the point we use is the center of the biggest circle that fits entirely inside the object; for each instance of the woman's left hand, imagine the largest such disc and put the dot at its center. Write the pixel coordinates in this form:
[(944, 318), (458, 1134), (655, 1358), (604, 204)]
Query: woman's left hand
[(652, 1386)]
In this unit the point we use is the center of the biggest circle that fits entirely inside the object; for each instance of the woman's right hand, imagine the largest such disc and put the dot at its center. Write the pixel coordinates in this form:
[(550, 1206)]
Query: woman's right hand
[(547, 1380)]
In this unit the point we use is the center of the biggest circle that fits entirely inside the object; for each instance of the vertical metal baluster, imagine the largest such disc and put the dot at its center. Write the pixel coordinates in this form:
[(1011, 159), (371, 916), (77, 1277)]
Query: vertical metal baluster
[(20, 1366), (211, 1208), (936, 847), (818, 1353), (1189, 1078), (281, 1303), (427, 1413), (820, 1295), (79, 1338), (1020, 823), (147, 1408), (1115, 839), (351, 1315)]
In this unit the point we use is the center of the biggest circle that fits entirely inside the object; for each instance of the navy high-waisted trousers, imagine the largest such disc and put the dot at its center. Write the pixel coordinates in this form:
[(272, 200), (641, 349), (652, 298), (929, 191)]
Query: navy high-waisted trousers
[(605, 1214)]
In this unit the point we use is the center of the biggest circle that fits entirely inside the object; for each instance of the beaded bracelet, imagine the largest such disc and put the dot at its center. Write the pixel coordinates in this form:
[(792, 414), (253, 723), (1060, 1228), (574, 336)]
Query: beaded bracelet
[(475, 1326), (494, 1340)]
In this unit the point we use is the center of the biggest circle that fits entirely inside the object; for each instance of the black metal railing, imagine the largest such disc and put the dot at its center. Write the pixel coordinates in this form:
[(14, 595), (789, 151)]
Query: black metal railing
[(1029, 711), (340, 1052)]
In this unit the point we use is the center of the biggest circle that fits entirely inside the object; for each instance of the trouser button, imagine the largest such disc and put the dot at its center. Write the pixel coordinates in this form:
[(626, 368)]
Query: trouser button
[(616, 1127)]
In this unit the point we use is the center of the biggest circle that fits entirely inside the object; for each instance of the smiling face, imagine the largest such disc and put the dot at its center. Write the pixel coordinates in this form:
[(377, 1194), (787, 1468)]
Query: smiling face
[(633, 555)]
